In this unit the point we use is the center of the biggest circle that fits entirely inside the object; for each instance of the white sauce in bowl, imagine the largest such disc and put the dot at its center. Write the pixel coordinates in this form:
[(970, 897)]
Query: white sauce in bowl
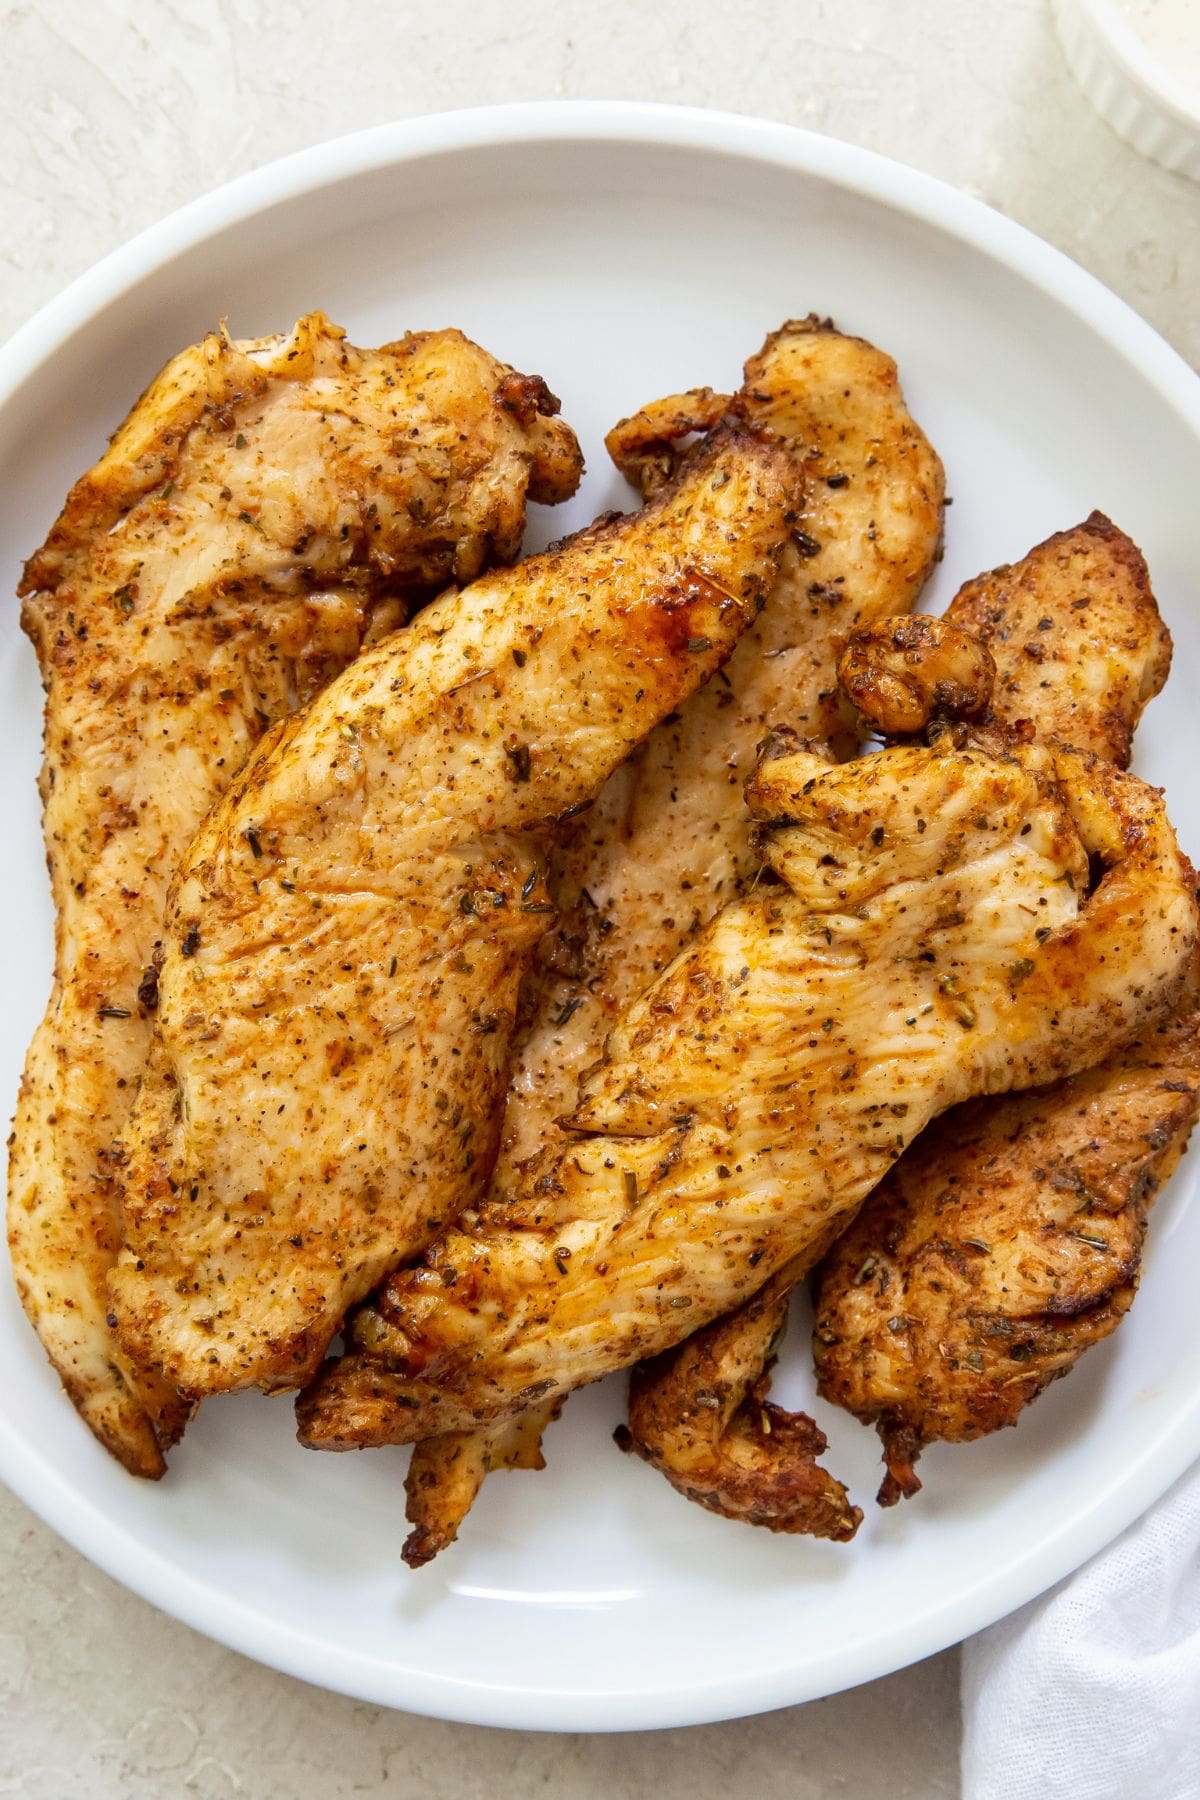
[(1170, 31)]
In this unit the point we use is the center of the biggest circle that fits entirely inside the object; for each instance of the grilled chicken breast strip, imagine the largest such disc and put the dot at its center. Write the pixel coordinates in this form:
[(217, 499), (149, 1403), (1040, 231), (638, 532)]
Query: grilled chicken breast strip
[(266, 507), (1008, 1240), (346, 934), (929, 938), (1072, 638), (1004, 1246), (669, 839), (700, 1413)]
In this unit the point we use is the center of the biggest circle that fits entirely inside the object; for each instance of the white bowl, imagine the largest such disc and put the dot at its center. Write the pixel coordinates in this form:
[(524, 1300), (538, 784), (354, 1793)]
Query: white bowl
[(1142, 100), (624, 252)]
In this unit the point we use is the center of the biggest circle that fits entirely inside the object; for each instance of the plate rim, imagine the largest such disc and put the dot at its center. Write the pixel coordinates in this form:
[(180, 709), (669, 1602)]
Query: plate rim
[(112, 1545)]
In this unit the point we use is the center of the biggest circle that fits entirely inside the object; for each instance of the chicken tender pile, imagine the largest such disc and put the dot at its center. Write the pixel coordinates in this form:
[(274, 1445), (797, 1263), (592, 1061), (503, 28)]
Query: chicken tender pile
[(1067, 642), (267, 509), (670, 838), (531, 972)]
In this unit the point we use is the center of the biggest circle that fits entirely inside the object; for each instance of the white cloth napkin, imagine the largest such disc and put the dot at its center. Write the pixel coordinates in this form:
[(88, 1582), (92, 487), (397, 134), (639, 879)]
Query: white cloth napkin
[(1093, 1691)]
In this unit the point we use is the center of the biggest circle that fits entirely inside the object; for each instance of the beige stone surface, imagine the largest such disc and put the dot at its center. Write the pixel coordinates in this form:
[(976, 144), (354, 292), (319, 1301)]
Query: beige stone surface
[(112, 113), (102, 1698)]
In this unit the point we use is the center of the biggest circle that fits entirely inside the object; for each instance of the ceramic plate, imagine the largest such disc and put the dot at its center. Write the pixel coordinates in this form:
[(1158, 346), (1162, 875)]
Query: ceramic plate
[(623, 252)]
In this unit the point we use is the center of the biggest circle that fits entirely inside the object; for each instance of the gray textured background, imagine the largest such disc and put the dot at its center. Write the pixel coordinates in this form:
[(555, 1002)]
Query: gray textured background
[(111, 114)]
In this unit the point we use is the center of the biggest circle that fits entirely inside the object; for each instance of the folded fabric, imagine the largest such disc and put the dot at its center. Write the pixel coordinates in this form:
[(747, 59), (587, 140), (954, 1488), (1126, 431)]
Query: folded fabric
[(1093, 1691)]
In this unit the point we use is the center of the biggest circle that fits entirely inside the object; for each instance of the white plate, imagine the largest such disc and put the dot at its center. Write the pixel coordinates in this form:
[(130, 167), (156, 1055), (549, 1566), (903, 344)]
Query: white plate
[(623, 252)]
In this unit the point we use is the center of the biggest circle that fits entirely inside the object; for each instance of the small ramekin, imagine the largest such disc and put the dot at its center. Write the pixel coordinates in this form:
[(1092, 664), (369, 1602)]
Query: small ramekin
[(1143, 101)]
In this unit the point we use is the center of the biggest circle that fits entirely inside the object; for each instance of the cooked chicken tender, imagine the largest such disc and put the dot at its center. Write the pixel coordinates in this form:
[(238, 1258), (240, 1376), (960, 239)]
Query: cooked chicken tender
[(266, 508), (669, 839), (1076, 642), (1002, 1247), (1009, 1239), (903, 673), (700, 1414), (1077, 634), (929, 937), (346, 934), (442, 1484)]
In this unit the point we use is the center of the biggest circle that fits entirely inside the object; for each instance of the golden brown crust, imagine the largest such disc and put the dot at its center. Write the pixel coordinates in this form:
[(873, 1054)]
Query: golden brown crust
[(446, 1474), (1077, 633), (669, 839), (1080, 647), (969, 1282), (1001, 1248), (902, 674), (347, 932), (266, 509), (925, 941), (701, 1416), (648, 446)]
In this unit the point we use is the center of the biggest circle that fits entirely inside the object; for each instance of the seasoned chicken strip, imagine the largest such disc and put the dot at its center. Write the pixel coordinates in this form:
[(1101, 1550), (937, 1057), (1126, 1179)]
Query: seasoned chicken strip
[(1002, 1247), (700, 1413), (1077, 646), (903, 673), (930, 938), (1009, 1239), (346, 934), (265, 507), (442, 1484), (669, 839), (1077, 637)]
